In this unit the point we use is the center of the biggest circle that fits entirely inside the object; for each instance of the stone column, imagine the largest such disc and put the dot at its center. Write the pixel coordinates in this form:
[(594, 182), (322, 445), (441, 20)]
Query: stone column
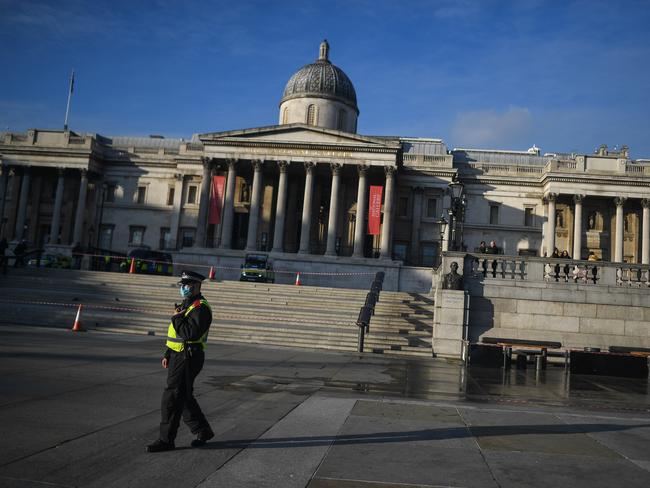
[(229, 206), (254, 215), (81, 208), (56, 212), (305, 229), (4, 180), (334, 210), (415, 225), (577, 226), (618, 247), (550, 227), (22, 204), (204, 203), (387, 226), (280, 209), (176, 210), (362, 207), (645, 232)]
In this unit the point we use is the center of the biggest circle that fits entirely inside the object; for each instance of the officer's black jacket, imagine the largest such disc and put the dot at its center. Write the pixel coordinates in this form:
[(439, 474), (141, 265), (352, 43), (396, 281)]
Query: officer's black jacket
[(197, 322)]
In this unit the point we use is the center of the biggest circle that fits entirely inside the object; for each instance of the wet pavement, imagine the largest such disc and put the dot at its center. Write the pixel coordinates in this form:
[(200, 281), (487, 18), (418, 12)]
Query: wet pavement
[(77, 410)]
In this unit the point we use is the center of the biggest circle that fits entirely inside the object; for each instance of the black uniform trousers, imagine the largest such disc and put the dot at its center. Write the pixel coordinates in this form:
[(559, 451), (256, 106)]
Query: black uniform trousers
[(178, 398)]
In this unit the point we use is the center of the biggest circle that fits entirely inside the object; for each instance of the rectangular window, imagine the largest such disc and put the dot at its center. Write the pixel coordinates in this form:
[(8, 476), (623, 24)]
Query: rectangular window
[(402, 206), (187, 237), (110, 193), (528, 217), (399, 251), (142, 194), (191, 194), (429, 254), (106, 237), (170, 195), (136, 235), (432, 205), (494, 214), (165, 238)]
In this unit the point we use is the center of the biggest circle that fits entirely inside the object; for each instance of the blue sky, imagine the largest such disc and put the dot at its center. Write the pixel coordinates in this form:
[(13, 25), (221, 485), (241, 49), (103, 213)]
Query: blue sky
[(564, 75)]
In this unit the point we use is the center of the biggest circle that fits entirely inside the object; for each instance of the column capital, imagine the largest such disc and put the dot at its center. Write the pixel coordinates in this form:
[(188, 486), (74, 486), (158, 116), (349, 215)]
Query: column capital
[(390, 171), (283, 166), (550, 197), (578, 198), (257, 164), (60, 170), (645, 202), (205, 160), (336, 168), (84, 172), (619, 201), (309, 166), (362, 169)]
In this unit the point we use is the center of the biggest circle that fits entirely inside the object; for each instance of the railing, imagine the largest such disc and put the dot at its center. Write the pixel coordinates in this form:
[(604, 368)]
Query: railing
[(368, 309), (76, 140), (480, 267), (487, 168), (637, 169), (194, 146)]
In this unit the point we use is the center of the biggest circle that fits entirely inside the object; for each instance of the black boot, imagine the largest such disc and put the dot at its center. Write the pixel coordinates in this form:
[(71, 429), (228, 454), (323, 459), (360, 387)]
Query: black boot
[(203, 437), (160, 446)]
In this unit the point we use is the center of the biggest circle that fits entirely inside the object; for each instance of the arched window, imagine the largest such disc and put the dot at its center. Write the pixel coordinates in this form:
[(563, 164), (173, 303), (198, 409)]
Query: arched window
[(340, 125), (285, 115), (311, 115)]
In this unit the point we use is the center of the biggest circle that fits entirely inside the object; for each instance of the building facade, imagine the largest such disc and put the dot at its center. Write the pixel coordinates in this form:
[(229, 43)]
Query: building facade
[(301, 188)]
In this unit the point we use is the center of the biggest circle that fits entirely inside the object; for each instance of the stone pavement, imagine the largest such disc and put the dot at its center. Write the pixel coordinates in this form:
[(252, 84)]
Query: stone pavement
[(78, 409)]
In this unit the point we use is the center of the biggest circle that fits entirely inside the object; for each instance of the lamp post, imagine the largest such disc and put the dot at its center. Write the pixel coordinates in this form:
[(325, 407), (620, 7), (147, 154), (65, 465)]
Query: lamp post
[(443, 229), (456, 212)]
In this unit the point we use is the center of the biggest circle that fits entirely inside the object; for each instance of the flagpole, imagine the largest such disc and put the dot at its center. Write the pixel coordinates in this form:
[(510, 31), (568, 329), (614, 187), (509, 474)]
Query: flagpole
[(67, 108)]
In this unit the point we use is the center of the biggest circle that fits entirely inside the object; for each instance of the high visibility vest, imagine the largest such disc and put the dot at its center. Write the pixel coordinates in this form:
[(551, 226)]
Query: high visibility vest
[(177, 344)]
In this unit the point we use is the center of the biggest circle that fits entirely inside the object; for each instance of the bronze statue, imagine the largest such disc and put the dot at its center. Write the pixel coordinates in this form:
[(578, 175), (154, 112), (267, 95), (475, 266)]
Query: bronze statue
[(452, 280)]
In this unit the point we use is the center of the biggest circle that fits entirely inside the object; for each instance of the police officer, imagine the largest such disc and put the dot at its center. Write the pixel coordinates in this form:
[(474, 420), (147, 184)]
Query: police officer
[(186, 338)]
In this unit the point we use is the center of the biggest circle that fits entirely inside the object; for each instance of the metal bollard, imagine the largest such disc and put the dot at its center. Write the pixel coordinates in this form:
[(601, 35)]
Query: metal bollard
[(539, 362)]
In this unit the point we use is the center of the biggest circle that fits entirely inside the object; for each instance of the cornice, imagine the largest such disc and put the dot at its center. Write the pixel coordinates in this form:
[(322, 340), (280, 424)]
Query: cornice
[(298, 145)]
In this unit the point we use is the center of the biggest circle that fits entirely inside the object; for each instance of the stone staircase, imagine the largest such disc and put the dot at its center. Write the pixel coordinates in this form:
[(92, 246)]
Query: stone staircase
[(272, 314)]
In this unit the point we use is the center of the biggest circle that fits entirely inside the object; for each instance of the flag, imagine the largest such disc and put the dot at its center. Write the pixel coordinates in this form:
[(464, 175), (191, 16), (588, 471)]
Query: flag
[(216, 199), (374, 210)]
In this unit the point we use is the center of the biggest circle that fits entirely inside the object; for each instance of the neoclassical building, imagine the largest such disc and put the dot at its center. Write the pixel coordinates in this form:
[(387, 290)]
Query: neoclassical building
[(301, 190)]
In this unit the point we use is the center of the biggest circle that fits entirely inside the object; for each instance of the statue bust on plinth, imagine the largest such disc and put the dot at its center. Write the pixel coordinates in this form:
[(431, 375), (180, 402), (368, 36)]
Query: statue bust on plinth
[(452, 280)]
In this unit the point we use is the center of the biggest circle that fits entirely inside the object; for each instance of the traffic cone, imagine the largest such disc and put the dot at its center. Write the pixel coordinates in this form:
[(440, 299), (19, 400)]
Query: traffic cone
[(298, 279), (132, 268), (211, 273), (77, 327)]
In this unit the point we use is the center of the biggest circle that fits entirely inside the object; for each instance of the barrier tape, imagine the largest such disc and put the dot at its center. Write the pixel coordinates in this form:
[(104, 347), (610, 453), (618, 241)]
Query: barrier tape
[(125, 309), (230, 268)]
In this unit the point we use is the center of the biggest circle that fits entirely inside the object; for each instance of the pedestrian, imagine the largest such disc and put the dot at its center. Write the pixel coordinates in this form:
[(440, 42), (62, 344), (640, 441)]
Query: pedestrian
[(482, 249), (19, 252), (493, 249), (565, 255), (187, 335), (556, 253)]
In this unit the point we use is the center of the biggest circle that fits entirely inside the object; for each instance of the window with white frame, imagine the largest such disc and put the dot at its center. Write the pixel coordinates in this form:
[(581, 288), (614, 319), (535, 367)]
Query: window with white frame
[(136, 235)]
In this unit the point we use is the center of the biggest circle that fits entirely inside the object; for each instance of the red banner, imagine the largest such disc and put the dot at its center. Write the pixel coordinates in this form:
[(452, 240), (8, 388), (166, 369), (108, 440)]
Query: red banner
[(216, 199), (374, 210)]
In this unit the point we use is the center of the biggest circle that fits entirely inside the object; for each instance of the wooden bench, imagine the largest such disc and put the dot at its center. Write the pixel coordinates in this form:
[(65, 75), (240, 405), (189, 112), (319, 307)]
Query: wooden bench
[(619, 361), (532, 347)]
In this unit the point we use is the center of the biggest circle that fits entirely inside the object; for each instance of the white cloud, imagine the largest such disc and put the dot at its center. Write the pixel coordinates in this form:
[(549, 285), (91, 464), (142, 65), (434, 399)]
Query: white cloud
[(490, 128)]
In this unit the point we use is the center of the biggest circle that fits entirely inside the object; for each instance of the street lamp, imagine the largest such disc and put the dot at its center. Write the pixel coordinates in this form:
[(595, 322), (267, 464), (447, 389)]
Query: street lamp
[(443, 229), (456, 212)]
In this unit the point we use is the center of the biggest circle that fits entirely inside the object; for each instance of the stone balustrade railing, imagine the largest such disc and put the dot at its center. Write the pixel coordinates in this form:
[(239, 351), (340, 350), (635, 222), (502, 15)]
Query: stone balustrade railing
[(480, 267)]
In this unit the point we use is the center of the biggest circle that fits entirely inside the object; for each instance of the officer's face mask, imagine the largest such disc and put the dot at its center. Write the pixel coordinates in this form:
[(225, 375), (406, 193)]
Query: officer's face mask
[(185, 290)]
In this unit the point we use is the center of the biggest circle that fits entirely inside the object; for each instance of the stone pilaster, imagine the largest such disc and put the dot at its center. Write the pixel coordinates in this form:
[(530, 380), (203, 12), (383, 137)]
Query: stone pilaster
[(176, 210), (81, 208), (550, 224), (229, 205), (334, 210), (55, 226), (577, 226), (645, 232), (280, 209), (362, 207), (254, 215), (305, 229), (416, 222), (618, 247), (387, 225)]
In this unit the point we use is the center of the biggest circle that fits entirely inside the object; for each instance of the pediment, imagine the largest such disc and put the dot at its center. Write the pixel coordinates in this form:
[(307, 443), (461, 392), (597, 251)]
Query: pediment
[(296, 134)]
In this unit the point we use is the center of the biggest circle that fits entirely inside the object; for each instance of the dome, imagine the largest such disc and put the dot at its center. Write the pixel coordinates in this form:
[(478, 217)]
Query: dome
[(321, 79)]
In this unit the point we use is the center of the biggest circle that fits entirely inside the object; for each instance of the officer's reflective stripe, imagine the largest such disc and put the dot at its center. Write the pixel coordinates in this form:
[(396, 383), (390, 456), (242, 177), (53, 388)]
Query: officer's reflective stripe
[(177, 344)]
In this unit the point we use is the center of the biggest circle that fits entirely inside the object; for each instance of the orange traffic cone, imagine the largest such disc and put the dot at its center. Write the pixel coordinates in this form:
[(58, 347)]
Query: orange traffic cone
[(132, 268), (211, 273), (298, 279), (77, 327)]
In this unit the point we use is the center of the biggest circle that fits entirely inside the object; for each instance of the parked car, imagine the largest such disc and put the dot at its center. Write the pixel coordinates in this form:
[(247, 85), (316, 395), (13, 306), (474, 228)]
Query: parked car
[(149, 262), (257, 267)]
